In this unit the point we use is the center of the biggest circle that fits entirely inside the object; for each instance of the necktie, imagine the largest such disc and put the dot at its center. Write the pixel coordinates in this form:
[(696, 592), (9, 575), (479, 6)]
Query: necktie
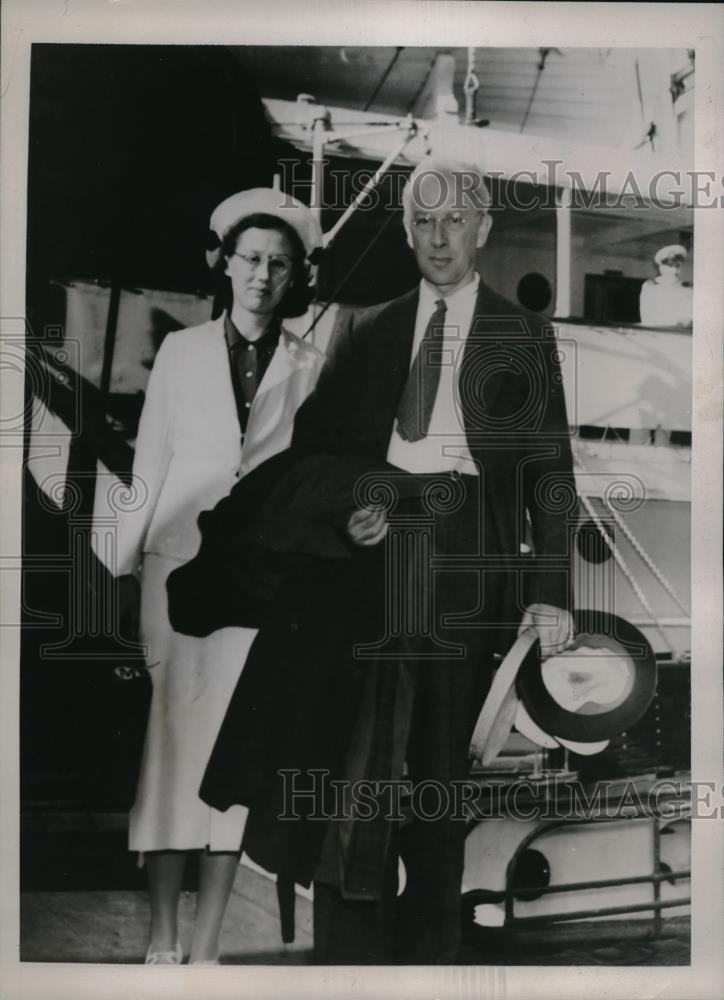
[(418, 398)]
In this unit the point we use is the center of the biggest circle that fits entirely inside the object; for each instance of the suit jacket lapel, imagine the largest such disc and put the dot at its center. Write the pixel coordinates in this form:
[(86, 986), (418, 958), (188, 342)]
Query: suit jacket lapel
[(218, 377), (286, 360), (491, 322), (389, 361)]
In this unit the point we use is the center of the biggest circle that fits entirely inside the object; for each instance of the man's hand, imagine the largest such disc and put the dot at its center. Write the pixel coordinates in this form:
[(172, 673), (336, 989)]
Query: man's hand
[(554, 626), (367, 526)]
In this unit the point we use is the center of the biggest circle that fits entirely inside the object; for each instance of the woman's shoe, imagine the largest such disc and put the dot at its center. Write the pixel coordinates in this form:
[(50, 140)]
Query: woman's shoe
[(164, 957)]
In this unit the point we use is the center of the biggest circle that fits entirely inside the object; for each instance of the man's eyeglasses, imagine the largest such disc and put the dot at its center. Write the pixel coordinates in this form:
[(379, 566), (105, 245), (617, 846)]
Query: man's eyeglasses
[(450, 222), (279, 267)]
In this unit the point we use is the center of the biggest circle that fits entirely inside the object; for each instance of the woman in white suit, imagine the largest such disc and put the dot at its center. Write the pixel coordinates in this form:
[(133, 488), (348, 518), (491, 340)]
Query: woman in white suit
[(221, 399)]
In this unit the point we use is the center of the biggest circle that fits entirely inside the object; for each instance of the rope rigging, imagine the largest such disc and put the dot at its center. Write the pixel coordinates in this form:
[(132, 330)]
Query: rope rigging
[(544, 53), (640, 549), (398, 50), (616, 553), (333, 297)]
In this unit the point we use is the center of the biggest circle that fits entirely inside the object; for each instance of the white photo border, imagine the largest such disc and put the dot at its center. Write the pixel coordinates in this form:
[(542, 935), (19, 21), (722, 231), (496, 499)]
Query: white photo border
[(369, 22)]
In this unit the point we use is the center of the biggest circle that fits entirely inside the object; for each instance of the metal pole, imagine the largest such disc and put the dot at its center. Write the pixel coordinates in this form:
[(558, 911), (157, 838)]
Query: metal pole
[(563, 255), (318, 130), (369, 186), (656, 845), (109, 343), (604, 911)]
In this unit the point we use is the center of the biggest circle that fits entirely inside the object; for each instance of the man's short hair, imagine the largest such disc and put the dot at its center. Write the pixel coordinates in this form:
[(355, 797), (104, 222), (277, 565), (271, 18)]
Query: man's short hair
[(464, 178)]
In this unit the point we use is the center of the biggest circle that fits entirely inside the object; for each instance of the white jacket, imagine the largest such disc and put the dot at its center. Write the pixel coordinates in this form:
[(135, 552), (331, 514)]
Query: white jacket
[(188, 450)]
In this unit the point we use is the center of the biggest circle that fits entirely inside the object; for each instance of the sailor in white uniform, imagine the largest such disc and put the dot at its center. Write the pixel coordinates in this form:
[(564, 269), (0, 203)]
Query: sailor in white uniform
[(666, 300)]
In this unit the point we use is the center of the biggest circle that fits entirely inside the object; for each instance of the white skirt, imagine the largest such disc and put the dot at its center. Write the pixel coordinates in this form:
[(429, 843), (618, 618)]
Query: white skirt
[(193, 681)]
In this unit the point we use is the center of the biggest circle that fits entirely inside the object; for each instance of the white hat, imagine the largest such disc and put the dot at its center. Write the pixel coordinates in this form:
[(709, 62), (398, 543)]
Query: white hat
[(266, 201), (499, 711), (673, 250), (503, 709), (579, 698), (525, 725), (595, 689)]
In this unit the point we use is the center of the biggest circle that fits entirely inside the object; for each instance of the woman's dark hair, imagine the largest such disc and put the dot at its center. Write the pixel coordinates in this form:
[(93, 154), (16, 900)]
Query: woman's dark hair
[(298, 295)]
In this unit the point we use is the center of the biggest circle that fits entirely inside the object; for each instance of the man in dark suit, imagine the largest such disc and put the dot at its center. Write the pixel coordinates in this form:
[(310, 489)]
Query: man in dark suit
[(456, 385)]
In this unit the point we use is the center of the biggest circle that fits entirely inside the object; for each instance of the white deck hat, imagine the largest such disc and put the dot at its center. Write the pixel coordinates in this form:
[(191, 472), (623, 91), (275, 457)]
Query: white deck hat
[(264, 201), (672, 250)]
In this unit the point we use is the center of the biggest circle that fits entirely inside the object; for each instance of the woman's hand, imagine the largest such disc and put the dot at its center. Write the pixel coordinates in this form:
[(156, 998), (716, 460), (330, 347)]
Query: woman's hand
[(367, 526)]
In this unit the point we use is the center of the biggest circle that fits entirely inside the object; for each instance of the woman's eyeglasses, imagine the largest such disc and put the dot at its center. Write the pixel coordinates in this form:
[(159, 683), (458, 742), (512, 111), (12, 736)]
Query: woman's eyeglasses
[(279, 267)]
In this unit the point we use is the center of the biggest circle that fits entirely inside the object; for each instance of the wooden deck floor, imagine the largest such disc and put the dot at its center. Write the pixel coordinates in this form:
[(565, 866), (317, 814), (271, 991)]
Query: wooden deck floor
[(109, 926), (84, 900)]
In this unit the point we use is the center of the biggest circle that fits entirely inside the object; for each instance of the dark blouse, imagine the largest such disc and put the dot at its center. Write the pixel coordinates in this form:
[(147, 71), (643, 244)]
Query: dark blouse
[(248, 361)]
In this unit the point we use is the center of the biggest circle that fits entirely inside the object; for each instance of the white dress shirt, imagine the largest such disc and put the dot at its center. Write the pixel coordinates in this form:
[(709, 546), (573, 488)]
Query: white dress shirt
[(445, 447)]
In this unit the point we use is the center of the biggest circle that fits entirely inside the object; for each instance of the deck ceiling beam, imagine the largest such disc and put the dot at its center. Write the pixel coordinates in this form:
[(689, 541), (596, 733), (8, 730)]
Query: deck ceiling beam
[(510, 155)]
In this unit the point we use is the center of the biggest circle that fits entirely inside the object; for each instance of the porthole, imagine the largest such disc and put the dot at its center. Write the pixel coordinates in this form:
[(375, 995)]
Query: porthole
[(534, 291)]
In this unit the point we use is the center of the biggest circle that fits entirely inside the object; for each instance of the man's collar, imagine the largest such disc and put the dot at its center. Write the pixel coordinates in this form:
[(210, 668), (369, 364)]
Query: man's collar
[(468, 293)]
